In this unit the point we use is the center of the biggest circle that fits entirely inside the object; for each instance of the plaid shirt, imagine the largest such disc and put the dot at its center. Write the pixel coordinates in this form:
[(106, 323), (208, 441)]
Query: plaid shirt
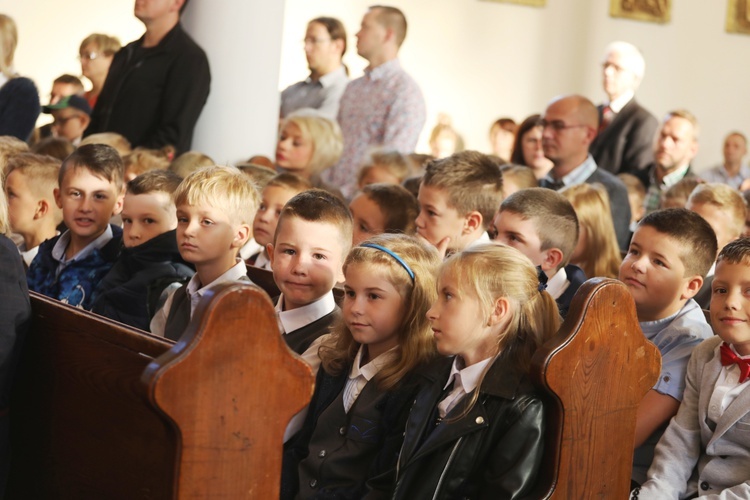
[(655, 190)]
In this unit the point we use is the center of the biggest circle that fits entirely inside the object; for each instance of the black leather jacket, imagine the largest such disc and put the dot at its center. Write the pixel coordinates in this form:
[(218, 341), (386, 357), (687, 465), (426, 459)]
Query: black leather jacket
[(492, 452)]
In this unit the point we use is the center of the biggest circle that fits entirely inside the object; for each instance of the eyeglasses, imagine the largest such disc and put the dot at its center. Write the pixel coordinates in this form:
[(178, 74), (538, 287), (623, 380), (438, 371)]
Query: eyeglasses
[(557, 125), (315, 41), (89, 56)]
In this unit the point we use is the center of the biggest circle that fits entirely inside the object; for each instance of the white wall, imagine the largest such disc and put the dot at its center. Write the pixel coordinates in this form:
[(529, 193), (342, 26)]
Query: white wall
[(475, 60)]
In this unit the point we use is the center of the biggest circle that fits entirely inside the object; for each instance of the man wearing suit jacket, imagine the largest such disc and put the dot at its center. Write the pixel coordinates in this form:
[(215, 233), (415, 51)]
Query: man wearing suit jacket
[(570, 124), (626, 131)]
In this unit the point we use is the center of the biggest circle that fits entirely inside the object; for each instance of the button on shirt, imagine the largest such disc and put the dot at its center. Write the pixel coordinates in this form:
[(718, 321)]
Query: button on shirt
[(385, 107), (464, 381), (727, 388), (359, 376), (322, 95)]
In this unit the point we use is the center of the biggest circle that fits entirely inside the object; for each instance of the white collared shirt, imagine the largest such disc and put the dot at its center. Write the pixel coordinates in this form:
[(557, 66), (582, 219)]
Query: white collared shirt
[(58, 251), (466, 380), (295, 319), (359, 376), (250, 248), (727, 388), (262, 261), (558, 283), (195, 292), (484, 238), (619, 102)]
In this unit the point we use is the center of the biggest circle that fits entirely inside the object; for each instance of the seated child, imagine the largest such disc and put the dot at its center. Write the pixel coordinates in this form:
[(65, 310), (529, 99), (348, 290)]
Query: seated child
[(311, 240), (68, 267), (72, 116), (30, 184), (668, 257), (117, 141), (517, 177), (279, 190), (725, 210), (10, 146), (543, 226), (678, 193), (597, 251), (143, 160), (348, 445), (190, 161), (490, 317), (458, 197), (150, 261), (215, 208), (56, 147), (382, 208), (390, 167), (309, 144), (705, 451)]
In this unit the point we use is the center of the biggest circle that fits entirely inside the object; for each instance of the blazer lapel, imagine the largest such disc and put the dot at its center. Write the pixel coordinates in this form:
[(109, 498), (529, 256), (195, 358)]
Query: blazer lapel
[(710, 374), (735, 411)]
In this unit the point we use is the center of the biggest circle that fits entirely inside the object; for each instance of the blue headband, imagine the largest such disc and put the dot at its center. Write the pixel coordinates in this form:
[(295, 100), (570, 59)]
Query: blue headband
[(392, 254)]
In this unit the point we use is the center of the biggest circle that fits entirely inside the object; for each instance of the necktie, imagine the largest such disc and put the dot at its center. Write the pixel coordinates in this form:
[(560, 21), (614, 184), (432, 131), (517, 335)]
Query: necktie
[(607, 116), (556, 184), (728, 357)]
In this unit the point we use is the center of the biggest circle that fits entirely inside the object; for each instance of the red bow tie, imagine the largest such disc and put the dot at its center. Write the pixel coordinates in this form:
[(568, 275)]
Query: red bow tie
[(728, 357)]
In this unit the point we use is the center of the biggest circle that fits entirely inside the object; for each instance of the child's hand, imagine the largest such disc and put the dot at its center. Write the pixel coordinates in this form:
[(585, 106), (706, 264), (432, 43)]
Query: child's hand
[(442, 246)]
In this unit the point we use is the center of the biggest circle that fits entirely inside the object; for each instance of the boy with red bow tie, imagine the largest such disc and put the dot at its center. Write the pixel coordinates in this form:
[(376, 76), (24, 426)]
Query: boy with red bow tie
[(705, 451)]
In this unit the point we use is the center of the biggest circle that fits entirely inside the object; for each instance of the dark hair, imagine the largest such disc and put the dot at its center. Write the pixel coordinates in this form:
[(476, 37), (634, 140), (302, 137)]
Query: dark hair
[(69, 79), (335, 28), (99, 159), (736, 252), (154, 181), (398, 205), (526, 125), (317, 205), (57, 147), (696, 238)]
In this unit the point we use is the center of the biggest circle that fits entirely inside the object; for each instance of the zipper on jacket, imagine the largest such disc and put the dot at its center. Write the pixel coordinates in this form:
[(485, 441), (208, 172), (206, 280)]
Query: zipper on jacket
[(445, 469)]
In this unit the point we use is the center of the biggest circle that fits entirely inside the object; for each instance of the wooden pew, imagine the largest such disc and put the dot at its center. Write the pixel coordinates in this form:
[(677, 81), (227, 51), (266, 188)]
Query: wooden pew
[(101, 410), (596, 371), (104, 411)]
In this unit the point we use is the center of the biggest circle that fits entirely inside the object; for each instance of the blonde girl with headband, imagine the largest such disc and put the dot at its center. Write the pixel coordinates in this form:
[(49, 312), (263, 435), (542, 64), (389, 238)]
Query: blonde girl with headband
[(348, 445), (477, 430)]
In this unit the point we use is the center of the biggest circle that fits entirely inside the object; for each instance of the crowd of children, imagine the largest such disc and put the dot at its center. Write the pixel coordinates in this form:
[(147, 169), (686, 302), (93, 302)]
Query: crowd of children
[(422, 385)]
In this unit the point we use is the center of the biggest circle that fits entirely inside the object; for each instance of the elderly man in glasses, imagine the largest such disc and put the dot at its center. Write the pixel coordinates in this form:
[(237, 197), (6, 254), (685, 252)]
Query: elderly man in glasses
[(570, 125)]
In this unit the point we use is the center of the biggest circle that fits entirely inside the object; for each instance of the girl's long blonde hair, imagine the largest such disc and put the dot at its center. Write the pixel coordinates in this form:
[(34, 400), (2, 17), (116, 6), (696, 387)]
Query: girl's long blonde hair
[(416, 343), (601, 256)]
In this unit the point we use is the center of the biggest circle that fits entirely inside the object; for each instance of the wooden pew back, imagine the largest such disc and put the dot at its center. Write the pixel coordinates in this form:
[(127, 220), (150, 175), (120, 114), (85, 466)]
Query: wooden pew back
[(100, 410), (596, 370)]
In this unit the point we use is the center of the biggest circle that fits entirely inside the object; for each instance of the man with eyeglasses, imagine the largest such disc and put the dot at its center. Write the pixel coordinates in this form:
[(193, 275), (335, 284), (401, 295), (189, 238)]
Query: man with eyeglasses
[(627, 129), (570, 124), (384, 108), (325, 45), (156, 86)]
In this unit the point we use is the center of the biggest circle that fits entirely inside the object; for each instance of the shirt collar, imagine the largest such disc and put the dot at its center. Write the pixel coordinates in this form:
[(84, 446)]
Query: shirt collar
[(373, 367), (236, 272), (619, 102), (58, 251), (673, 177), (558, 283), (384, 70), (249, 249), (468, 377), (484, 238), (303, 316), (330, 78), (579, 174)]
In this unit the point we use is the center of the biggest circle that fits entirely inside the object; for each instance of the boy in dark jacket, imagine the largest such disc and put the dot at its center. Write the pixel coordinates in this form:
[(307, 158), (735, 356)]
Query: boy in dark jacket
[(150, 260)]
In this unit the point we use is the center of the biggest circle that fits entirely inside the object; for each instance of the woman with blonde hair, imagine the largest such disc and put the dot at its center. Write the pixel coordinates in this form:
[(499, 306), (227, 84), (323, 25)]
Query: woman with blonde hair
[(597, 252), (96, 54), (19, 98)]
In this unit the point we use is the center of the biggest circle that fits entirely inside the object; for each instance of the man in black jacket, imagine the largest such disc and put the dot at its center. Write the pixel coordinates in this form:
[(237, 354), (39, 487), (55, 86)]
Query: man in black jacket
[(157, 85)]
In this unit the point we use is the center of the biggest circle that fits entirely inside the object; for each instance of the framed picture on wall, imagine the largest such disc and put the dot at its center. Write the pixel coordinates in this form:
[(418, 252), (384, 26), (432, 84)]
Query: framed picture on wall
[(654, 11), (738, 16), (533, 3)]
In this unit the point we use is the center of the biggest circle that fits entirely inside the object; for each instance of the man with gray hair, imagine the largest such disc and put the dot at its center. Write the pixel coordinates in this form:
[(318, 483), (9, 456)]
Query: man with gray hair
[(626, 130)]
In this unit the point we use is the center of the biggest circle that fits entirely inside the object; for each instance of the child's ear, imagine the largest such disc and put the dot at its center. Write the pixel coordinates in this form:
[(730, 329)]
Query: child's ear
[(58, 197), (269, 251), (552, 258), (472, 222), (118, 204), (500, 311), (241, 235), (42, 209), (692, 286)]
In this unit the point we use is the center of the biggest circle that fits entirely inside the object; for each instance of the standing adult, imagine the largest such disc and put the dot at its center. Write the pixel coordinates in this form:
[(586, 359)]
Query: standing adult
[(325, 46), (383, 108), (626, 130), (96, 54), (19, 98), (157, 86), (569, 127)]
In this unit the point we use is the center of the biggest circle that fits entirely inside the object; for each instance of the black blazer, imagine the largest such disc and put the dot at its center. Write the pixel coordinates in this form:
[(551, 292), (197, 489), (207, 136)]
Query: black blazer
[(492, 452), (626, 145), (619, 204)]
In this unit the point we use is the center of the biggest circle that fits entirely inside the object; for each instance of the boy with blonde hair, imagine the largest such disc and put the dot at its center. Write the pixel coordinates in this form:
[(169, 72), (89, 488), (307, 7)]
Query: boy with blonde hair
[(458, 197), (542, 224), (669, 255), (30, 184), (215, 210), (68, 267), (706, 448), (725, 210), (149, 261)]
